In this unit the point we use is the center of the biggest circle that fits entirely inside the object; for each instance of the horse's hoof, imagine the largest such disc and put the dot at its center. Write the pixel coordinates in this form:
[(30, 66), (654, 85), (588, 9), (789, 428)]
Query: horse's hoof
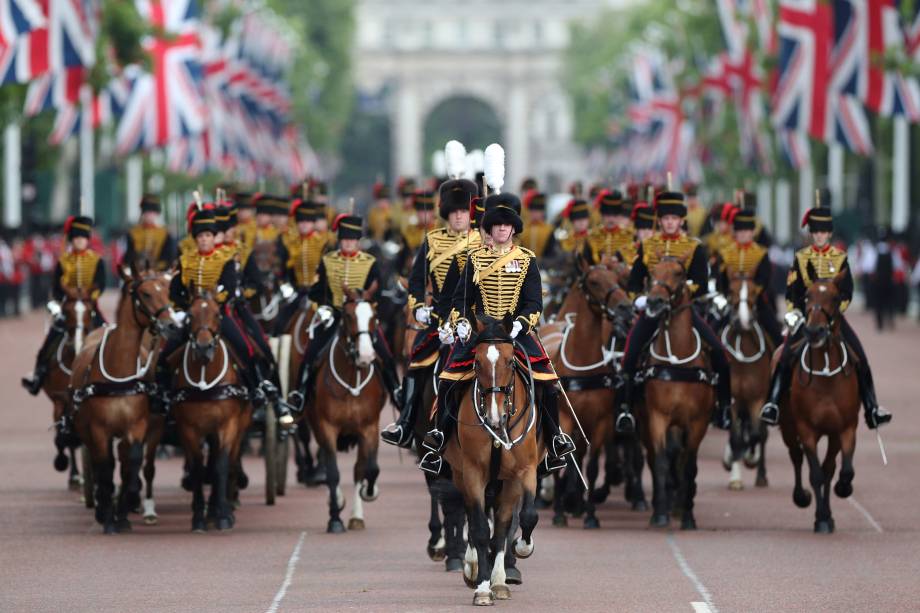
[(513, 576), (61, 462), (501, 592), (761, 482), (109, 528), (801, 498), (560, 521), (75, 484), (522, 550), (600, 495), (224, 523), (736, 486), (542, 504), (242, 480), (660, 520), (640, 505), (199, 526), (453, 565), (483, 599), (688, 523), (150, 520), (367, 494), (824, 526), (752, 457), (591, 523), (435, 553), (843, 490), (335, 527), (356, 523), (187, 483)]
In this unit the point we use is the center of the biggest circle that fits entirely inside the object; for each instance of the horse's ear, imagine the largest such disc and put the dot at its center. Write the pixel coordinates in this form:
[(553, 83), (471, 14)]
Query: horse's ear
[(810, 271)]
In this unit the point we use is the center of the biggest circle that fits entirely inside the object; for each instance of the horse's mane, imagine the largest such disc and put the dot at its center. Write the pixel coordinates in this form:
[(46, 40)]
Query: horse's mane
[(493, 330)]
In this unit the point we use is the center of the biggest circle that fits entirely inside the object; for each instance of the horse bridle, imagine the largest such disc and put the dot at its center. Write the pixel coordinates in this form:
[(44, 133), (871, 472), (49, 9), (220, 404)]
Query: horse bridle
[(484, 391), (602, 306), (138, 305), (351, 349), (214, 332)]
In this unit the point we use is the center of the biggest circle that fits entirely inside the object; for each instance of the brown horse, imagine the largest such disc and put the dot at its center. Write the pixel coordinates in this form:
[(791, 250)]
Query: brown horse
[(677, 403), (495, 451), (585, 349), (210, 405), (344, 414), (749, 350), (823, 400), (77, 315), (110, 394), (266, 302)]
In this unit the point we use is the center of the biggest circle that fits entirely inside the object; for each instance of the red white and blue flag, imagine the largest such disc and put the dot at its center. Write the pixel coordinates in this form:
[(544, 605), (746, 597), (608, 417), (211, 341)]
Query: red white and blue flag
[(886, 91)]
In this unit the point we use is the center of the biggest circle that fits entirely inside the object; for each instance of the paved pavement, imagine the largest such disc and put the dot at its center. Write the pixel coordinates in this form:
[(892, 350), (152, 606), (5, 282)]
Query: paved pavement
[(754, 551)]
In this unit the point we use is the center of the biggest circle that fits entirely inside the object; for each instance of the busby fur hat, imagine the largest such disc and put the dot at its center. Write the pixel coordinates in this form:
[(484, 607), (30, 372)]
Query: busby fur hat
[(744, 219), (670, 203), (577, 209), (643, 216), (202, 220), (818, 219), (456, 193), (502, 212), (610, 202), (423, 200), (303, 210), (534, 200)]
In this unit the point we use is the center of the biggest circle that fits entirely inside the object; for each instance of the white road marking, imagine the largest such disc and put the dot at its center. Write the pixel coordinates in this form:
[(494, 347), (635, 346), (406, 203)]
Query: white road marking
[(288, 576), (866, 514), (700, 607)]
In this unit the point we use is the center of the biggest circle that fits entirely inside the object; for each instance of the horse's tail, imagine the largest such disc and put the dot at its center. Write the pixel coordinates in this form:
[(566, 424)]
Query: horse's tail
[(346, 442)]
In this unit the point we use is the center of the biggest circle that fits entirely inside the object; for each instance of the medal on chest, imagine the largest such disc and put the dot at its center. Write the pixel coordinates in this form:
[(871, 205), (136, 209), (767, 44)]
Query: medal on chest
[(513, 266)]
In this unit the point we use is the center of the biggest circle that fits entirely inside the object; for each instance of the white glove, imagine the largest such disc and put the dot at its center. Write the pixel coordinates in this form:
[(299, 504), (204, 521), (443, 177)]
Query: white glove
[(446, 334), (516, 328), (325, 315), (720, 302), (640, 302), (179, 317), (423, 315), (54, 307), (287, 291), (464, 330), (793, 318)]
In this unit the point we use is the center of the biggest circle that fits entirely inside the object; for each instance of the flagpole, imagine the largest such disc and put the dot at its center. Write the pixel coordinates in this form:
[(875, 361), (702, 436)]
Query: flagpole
[(900, 182), (134, 171), (87, 153), (12, 179), (806, 188), (783, 208), (835, 175)]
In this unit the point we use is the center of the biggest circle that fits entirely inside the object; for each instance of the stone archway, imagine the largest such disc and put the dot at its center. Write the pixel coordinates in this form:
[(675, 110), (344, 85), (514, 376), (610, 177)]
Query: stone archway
[(470, 120)]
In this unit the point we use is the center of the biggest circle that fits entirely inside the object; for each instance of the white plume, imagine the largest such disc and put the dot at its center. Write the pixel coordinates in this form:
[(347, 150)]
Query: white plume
[(439, 164), (494, 167), (455, 158)]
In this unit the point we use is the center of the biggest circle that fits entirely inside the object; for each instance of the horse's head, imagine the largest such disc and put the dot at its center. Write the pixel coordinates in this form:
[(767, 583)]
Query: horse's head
[(822, 309), (204, 325), (743, 299), (494, 368), (359, 321), (265, 255), (77, 310), (668, 287), (149, 295), (602, 287)]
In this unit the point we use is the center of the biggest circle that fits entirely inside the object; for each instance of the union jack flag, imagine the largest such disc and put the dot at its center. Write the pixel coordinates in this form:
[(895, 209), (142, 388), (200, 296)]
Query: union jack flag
[(54, 90), (886, 92), (17, 19)]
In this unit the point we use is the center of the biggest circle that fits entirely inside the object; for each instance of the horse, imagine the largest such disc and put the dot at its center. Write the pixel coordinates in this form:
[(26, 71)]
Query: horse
[(678, 394), (494, 453), (822, 403), (77, 315), (110, 392), (266, 301), (749, 350), (596, 308), (343, 415), (210, 405)]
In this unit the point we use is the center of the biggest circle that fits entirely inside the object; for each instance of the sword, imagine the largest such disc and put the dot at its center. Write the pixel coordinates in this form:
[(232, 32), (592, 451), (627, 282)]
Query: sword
[(881, 446)]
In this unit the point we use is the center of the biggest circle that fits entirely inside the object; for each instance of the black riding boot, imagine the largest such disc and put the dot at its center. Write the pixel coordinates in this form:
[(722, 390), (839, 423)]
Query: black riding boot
[(436, 439), (769, 413), (874, 414), (34, 383), (400, 432), (558, 443), (390, 380)]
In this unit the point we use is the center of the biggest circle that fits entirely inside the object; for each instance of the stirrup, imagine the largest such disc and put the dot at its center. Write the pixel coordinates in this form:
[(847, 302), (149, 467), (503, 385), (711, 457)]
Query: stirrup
[(295, 400), (877, 417), (626, 423), (434, 441), (722, 418), (397, 434), (563, 445), (431, 463), (769, 414), (551, 464)]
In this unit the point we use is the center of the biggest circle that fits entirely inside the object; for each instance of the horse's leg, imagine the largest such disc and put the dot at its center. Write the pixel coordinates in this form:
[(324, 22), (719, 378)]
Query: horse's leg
[(816, 478), (150, 472), (844, 486), (574, 499), (512, 574), (592, 471), (227, 438), (479, 543), (523, 547), (634, 463), (454, 520), (694, 438), (504, 510), (828, 468), (436, 541), (213, 506), (800, 496), (559, 518), (194, 460), (131, 483), (75, 480), (103, 474), (327, 455), (659, 464), (762, 460)]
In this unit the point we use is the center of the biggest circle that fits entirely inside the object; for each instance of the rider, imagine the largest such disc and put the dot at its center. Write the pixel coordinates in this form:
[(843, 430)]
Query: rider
[(79, 268), (149, 240), (573, 236), (501, 281), (415, 228), (303, 258), (643, 218), (613, 236), (211, 269), (743, 256), (821, 260), (246, 224), (380, 215), (671, 241), (432, 262), (346, 267), (538, 235)]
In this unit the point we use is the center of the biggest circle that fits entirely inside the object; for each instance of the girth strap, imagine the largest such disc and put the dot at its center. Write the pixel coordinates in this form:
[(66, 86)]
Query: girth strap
[(220, 392)]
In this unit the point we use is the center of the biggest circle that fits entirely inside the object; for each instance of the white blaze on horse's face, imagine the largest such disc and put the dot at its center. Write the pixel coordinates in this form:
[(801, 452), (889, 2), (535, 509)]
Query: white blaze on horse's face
[(492, 355), (364, 312), (744, 309), (79, 309)]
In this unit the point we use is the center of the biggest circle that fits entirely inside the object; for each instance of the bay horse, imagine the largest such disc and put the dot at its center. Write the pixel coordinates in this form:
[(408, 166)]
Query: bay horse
[(210, 404), (823, 401), (343, 414), (266, 302), (77, 316), (678, 394), (749, 351), (494, 454), (586, 347), (110, 394)]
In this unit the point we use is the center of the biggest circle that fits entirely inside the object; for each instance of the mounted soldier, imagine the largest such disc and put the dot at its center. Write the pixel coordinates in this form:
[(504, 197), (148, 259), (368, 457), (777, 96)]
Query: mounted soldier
[(438, 251), (538, 235), (246, 224), (614, 237), (671, 242), (643, 218), (346, 268), (501, 281), (301, 264), (415, 228), (380, 215), (820, 261), (149, 241), (79, 271)]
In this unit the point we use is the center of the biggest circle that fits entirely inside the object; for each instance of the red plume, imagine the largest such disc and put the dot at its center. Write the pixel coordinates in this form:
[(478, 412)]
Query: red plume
[(67, 223), (732, 214), (190, 216), (296, 202), (805, 218), (600, 196), (567, 213), (728, 211), (640, 206), (338, 218), (528, 197)]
